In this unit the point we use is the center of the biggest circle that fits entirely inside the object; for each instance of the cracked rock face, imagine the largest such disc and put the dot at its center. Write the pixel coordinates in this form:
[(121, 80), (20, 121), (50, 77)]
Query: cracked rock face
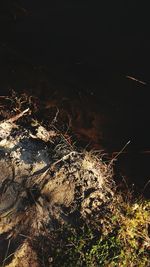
[(44, 181)]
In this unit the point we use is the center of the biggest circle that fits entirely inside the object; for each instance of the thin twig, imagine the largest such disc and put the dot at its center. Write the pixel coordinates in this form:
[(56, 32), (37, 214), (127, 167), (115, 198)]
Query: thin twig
[(63, 158), (56, 115), (6, 255), (136, 80), (145, 186), (16, 117), (120, 152)]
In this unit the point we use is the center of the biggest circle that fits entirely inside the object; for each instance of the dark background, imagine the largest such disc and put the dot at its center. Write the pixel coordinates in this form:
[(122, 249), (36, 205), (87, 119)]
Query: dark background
[(111, 34), (85, 49)]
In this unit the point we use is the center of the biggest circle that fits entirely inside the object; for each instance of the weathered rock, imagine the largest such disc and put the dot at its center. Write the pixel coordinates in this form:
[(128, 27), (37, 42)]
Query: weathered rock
[(44, 180)]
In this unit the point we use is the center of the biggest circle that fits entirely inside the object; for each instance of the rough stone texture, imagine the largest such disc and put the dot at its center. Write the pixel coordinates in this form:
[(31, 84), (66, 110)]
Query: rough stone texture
[(44, 181)]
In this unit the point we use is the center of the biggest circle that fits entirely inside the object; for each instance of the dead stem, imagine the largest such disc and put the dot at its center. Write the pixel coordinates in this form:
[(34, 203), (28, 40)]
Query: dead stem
[(16, 117)]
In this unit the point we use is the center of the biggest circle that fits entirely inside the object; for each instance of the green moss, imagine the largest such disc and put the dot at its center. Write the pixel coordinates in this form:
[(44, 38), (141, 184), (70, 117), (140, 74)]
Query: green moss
[(126, 243)]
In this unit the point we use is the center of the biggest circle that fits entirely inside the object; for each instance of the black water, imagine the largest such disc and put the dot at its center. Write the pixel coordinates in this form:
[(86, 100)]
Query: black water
[(85, 49)]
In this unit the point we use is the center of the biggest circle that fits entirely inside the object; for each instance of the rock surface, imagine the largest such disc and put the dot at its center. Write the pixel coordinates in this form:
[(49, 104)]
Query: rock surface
[(44, 181)]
